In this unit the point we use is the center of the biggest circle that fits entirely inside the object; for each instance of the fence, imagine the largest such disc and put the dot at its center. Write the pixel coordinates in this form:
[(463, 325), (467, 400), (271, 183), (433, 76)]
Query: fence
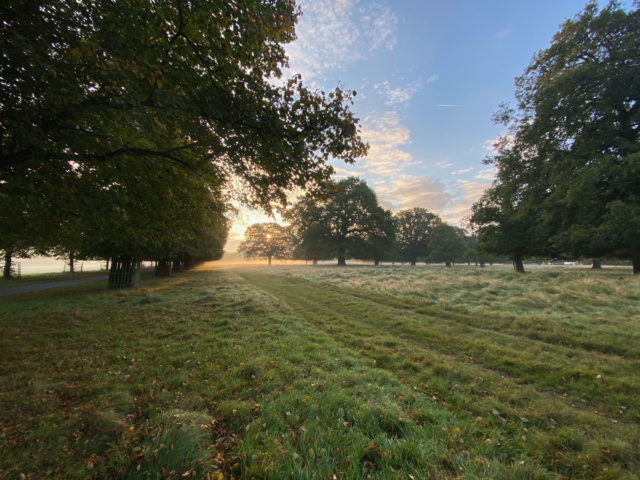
[(16, 269), (124, 274)]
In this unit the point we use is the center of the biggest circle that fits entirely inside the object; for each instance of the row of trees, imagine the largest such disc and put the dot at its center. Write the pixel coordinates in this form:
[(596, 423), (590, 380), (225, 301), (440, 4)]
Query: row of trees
[(568, 172), (120, 123), (347, 222)]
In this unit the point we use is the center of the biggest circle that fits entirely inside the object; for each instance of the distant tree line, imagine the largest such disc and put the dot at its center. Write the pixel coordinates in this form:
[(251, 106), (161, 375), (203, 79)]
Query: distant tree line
[(347, 222), (568, 172)]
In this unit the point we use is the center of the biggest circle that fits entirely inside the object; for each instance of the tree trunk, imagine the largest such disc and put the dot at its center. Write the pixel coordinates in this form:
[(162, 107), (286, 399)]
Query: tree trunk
[(481, 264), (163, 268), (447, 264), (124, 273), (596, 264), (518, 266), (413, 263), (376, 261), (269, 257), (636, 260), (6, 273), (71, 262), (342, 256), (177, 267), (315, 262)]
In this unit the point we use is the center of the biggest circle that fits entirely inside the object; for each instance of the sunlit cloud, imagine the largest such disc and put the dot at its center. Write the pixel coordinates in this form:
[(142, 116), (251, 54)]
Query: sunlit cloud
[(346, 172), (444, 164), (467, 193), (408, 191), (487, 174), (386, 134), (332, 34)]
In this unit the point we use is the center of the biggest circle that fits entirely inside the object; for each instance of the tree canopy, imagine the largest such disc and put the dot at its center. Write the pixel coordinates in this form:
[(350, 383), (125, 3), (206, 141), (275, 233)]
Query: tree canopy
[(266, 240), (92, 93), (413, 227), (447, 244), (564, 182), (339, 223)]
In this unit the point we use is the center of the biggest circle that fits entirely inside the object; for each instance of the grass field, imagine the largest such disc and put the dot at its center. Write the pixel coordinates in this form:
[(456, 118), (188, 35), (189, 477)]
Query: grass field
[(320, 372)]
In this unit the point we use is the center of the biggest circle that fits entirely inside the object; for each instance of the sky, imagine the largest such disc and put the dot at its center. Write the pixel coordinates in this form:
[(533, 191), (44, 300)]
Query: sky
[(429, 75)]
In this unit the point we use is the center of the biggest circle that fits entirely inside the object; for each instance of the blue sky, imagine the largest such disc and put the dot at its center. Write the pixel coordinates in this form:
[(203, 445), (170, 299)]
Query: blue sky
[(429, 76)]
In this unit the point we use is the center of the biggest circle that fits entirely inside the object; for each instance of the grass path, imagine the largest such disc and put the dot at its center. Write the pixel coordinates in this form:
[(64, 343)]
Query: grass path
[(278, 373), (475, 369)]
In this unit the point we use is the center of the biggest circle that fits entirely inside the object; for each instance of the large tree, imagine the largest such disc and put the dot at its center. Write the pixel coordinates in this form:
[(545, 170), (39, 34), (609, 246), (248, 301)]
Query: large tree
[(267, 240), (343, 218), (576, 138), (413, 227), (447, 244), (89, 89), (507, 217), (380, 240)]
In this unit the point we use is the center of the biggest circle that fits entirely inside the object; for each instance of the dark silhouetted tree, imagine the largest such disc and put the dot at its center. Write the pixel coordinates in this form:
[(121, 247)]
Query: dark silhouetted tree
[(266, 240)]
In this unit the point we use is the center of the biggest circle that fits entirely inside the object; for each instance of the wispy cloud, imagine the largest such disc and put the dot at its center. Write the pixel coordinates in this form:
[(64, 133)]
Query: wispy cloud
[(331, 34), (493, 144), (450, 105), (461, 171), (487, 174), (396, 95), (444, 164), (503, 33), (433, 78), (346, 172)]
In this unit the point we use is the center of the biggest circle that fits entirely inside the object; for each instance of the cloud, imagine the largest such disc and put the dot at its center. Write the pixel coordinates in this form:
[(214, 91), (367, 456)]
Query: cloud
[(493, 144), (385, 135), (461, 171), (487, 174), (432, 78), (503, 33), (398, 94), (334, 33), (467, 193), (408, 191), (450, 105), (345, 172), (444, 164), (453, 205)]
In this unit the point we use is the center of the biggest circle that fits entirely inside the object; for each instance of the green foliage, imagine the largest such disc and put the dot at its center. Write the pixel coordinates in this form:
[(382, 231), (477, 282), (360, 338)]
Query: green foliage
[(565, 172), (380, 240), (413, 229), (313, 243), (132, 113), (447, 244), (346, 220), (269, 240)]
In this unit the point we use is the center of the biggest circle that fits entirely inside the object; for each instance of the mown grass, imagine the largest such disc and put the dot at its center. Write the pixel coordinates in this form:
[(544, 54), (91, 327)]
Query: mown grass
[(46, 278), (310, 372)]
